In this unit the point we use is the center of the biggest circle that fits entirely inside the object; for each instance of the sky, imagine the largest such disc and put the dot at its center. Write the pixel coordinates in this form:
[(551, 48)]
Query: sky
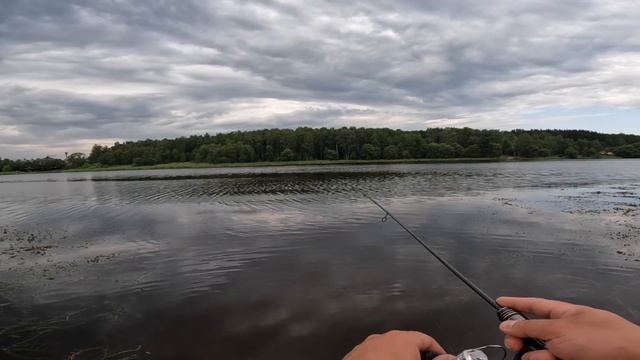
[(76, 73)]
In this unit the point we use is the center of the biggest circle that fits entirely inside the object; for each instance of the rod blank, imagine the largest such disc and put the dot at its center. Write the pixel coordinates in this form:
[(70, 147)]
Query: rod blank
[(444, 262)]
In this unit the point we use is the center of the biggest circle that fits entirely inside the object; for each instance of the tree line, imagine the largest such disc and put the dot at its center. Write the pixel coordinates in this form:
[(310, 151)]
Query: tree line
[(347, 143), (72, 161)]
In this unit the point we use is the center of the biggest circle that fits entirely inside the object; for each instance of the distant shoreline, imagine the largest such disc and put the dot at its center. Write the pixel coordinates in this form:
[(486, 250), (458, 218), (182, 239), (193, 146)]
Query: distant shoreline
[(195, 165)]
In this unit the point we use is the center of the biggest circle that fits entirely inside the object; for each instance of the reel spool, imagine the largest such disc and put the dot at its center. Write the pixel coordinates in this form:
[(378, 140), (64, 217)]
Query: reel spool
[(479, 353)]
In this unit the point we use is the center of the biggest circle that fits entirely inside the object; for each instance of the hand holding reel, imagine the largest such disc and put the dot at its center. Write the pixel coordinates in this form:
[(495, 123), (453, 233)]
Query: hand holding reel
[(475, 354)]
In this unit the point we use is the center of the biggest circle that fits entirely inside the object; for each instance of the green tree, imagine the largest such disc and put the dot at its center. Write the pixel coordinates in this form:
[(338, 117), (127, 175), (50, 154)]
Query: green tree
[(391, 152), (543, 152), (414, 144), (588, 148), (458, 150), (287, 155), (206, 153), (330, 154), (571, 152), (370, 152), (76, 160), (99, 154), (473, 151), (439, 151), (446, 151), (495, 150), (524, 146), (47, 164), (349, 143), (269, 153), (628, 151), (507, 145), (235, 152)]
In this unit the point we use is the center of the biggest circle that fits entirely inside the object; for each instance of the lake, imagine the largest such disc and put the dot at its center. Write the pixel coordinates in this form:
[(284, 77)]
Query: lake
[(294, 262)]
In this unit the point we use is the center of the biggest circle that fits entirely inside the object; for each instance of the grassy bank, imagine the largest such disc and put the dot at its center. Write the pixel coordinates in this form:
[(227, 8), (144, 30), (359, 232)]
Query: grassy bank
[(195, 165)]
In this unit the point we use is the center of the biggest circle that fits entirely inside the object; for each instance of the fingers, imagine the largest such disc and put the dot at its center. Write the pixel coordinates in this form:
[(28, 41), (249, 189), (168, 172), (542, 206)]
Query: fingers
[(445, 357), (541, 307), (513, 343), (422, 341), (372, 336), (538, 329), (539, 355)]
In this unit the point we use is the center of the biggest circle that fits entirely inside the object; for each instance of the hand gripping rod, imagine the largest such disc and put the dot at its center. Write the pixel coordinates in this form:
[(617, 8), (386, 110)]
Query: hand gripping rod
[(504, 313)]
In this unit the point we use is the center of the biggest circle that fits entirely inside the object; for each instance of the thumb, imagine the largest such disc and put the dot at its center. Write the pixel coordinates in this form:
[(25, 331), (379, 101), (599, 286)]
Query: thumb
[(445, 357), (539, 329), (539, 355)]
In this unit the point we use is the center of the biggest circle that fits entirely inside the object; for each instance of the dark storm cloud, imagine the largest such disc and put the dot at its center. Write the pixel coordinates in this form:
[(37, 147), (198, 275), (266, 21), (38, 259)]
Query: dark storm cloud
[(77, 72)]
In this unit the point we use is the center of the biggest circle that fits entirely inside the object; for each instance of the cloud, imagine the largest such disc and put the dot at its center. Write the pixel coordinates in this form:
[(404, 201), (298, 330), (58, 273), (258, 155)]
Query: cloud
[(77, 72)]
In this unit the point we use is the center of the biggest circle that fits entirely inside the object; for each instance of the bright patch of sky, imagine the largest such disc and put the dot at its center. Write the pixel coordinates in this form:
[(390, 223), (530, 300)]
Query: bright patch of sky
[(597, 118)]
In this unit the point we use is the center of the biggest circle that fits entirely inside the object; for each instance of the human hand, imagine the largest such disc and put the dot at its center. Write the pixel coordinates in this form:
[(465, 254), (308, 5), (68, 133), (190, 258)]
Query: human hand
[(397, 345), (571, 332)]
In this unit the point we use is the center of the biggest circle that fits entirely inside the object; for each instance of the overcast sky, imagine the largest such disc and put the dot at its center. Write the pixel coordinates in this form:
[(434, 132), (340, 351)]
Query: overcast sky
[(75, 73)]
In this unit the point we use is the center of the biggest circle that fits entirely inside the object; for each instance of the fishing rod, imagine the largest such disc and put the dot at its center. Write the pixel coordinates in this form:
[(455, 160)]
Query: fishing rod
[(504, 313)]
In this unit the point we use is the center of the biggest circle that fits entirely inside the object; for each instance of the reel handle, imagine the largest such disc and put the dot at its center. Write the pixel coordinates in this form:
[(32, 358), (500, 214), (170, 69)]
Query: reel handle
[(505, 314)]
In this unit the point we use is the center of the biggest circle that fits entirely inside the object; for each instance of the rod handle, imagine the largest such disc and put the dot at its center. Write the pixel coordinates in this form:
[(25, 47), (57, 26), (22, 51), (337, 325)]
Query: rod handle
[(530, 344)]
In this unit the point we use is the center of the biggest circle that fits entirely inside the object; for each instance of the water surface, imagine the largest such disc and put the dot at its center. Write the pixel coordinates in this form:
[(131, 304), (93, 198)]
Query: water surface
[(293, 262)]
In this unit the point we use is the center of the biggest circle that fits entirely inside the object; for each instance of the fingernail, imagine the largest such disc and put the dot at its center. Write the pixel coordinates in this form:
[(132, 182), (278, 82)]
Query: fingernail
[(506, 325)]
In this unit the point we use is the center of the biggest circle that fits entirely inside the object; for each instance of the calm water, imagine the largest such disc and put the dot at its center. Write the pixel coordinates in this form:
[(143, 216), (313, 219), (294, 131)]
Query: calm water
[(293, 262)]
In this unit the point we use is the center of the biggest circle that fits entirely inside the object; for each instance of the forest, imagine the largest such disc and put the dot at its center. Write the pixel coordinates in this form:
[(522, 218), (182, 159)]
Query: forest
[(347, 143)]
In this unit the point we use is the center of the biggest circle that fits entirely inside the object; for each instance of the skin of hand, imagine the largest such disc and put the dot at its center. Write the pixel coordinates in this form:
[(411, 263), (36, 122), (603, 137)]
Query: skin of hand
[(571, 332), (397, 345)]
